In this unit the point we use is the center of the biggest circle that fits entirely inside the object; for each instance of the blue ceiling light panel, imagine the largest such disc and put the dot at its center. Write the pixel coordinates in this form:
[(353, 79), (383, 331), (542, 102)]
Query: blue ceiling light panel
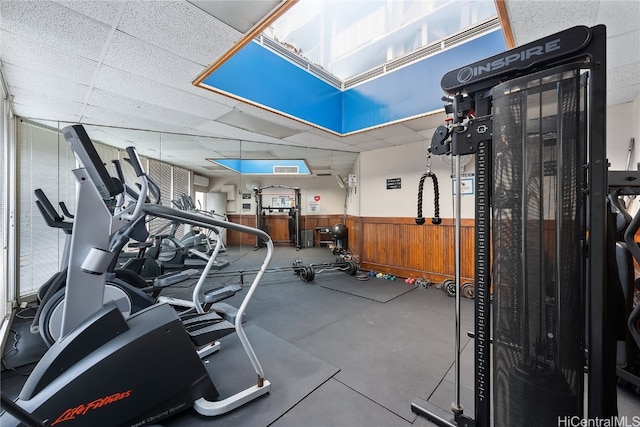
[(265, 167), (257, 75)]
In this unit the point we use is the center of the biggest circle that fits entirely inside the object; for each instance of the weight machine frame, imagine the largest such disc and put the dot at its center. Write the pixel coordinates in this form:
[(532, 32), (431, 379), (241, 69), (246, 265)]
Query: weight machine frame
[(297, 209), (470, 103)]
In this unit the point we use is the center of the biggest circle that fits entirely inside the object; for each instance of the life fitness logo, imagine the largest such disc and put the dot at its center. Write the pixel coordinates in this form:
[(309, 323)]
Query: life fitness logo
[(316, 198), (82, 409)]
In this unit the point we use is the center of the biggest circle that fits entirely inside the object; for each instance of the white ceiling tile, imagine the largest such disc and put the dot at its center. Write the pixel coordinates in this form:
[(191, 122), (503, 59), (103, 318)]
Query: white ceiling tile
[(532, 20), (137, 57), (231, 148), (123, 137), (372, 145), (48, 102), (622, 84), (54, 25), (273, 117), (284, 151), (132, 86), (220, 98), (179, 28), (390, 131), (241, 15), (137, 108), (623, 76), (46, 60), (357, 137), (34, 81), (104, 116), (427, 122), (623, 95), (404, 138), (326, 134), (213, 128), (620, 51), (620, 16), (255, 124), (104, 11), (427, 134), (30, 112), (312, 140)]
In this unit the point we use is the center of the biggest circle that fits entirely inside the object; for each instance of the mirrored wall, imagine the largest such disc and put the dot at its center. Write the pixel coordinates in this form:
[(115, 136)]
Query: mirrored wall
[(185, 169)]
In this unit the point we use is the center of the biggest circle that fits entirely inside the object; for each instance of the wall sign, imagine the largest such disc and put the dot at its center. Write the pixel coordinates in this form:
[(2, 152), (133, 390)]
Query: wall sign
[(394, 183), (313, 204), (466, 186)]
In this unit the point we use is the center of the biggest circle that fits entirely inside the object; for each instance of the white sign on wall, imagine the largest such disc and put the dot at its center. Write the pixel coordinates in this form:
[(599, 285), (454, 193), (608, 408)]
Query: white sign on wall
[(466, 186), (313, 204)]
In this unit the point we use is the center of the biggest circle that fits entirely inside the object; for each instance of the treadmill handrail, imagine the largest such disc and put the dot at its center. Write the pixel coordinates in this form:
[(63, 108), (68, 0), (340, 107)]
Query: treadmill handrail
[(209, 222), (200, 220)]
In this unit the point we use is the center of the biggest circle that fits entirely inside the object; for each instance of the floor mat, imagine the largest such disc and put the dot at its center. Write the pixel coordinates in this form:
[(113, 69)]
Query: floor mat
[(293, 374), (379, 290)]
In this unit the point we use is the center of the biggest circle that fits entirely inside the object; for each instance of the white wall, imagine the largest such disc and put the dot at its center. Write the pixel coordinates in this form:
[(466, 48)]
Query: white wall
[(406, 162), (331, 196), (623, 123), (635, 122)]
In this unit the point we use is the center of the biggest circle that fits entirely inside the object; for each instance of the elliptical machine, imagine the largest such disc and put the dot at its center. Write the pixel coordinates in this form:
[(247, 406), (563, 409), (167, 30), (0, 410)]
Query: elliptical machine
[(103, 370)]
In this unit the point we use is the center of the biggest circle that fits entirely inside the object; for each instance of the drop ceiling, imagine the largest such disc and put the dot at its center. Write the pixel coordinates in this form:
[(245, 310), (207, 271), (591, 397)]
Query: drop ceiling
[(128, 67)]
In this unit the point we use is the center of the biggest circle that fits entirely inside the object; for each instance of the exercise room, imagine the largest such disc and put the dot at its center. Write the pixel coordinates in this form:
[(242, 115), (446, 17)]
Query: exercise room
[(320, 213)]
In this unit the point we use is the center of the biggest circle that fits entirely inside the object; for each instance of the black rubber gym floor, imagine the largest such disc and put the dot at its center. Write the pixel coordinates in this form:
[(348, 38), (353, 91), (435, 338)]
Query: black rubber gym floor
[(338, 351)]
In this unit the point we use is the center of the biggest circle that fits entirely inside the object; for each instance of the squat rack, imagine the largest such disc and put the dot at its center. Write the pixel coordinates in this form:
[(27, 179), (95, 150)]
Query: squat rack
[(294, 213)]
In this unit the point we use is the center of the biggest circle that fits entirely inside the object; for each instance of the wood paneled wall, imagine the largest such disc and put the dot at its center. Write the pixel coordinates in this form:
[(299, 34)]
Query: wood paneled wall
[(235, 238), (395, 246), (279, 227), (400, 247)]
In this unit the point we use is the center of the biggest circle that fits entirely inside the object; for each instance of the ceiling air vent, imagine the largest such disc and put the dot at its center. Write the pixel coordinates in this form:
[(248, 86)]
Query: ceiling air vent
[(285, 170)]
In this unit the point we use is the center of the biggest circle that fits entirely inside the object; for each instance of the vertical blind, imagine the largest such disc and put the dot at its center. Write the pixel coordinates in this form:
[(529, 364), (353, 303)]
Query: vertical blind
[(4, 132), (45, 161)]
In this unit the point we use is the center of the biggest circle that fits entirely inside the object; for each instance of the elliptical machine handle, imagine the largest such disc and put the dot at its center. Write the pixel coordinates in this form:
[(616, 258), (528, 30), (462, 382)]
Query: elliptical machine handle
[(134, 160), (118, 167)]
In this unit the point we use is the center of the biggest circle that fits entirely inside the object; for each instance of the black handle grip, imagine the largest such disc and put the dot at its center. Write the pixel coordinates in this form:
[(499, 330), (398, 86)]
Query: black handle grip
[(47, 206), (118, 167), (65, 210), (134, 160)]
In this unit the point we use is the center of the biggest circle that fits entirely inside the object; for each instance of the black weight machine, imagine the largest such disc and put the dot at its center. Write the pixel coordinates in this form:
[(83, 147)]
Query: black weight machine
[(295, 232), (534, 117)]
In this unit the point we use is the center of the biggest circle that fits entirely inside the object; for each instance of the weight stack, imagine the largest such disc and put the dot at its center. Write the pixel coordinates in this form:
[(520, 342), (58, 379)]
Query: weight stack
[(536, 239)]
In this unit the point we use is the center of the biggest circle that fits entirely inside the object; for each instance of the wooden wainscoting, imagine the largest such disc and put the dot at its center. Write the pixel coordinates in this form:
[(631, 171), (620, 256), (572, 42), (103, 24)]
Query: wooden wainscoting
[(235, 238), (400, 247), (396, 246), (278, 225)]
